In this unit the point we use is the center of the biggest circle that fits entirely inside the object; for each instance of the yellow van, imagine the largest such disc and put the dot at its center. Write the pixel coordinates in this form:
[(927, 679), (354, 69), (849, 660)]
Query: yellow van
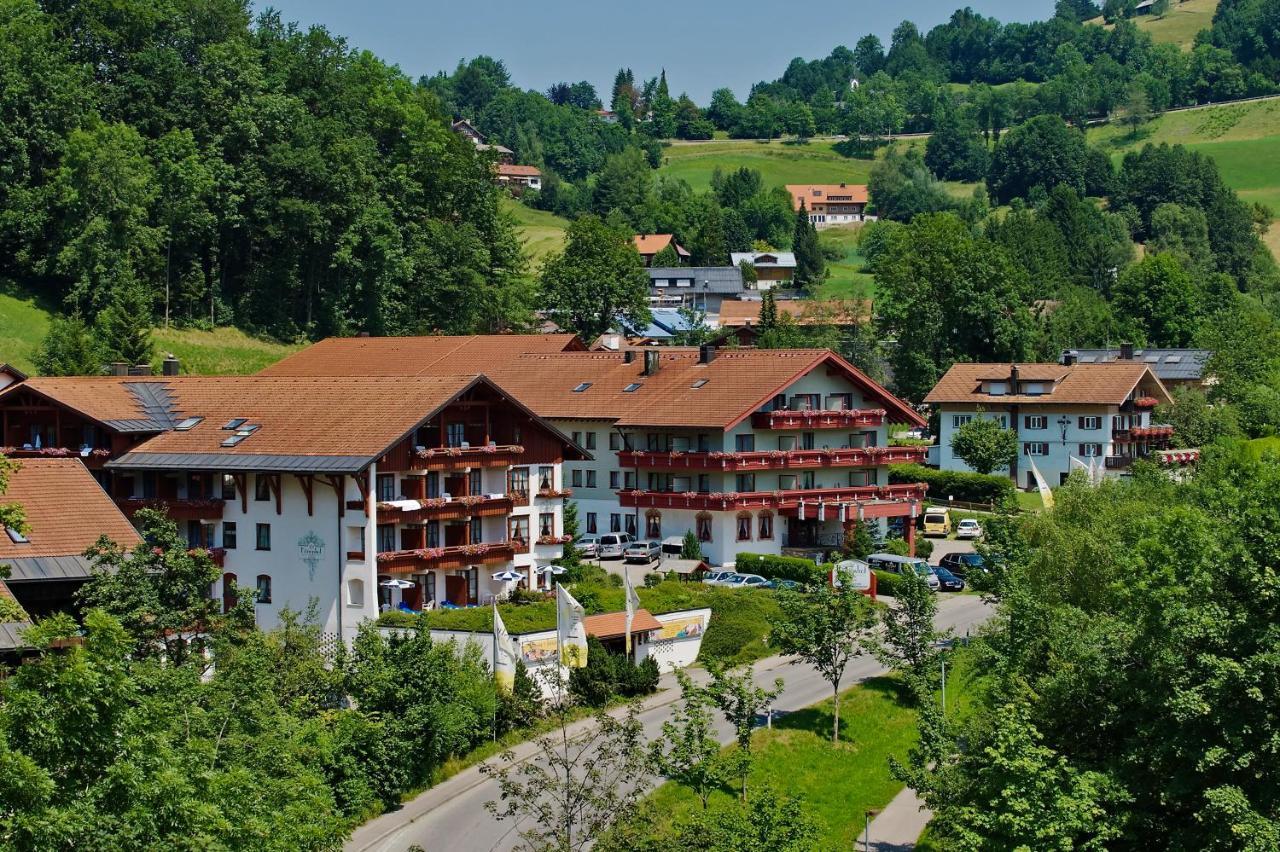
[(937, 522)]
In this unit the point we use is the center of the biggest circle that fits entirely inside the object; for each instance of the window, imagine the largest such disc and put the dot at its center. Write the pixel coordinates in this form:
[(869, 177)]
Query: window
[(228, 535), (355, 592), (629, 480), (704, 483), (766, 525), (631, 388), (16, 536), (474, 485), (1036, 421), (744, 526), (234, 423), (431, 586), (839, 401), (580, 387), (630, 525), (1090, 450), (862, 440), (591, 479), (187, 424), (264, 537), (997, 388), (473, 584), (228, 487), (433, 533), (806, 440), (699, 383), (433, 484), (591, 441), (704, 443), (475, 530), (518, 481), (592, 525), (653, 524), (615, 522), (615, 480), (575, 476), (577, 438), (229, 597), (387, 538), (264, 588), (262, 487), (779, 403), (546, 524), (518, 529), (806, 401), (1035, 449), (455, 434), (744, 443), (860, 478), (788, 442), (702, 524), (546, 478), (807, 479), (787, 481), (1090, 423), (745, 482), (958, 420), (615, 441), (386, 486)]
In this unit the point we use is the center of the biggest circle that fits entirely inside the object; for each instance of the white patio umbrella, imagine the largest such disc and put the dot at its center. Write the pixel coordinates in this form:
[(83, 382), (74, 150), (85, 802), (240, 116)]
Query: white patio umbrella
[(554, 570), (508, 576), (396, 584)]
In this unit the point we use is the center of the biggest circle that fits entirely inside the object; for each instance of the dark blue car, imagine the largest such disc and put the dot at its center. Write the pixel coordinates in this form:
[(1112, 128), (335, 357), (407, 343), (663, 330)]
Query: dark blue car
[(963, 564), (948, 582)]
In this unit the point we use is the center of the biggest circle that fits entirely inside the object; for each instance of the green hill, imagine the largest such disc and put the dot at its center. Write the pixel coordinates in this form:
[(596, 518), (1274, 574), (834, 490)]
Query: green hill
[(23, 324), (1181, 23), (542, 232), (778, 162)]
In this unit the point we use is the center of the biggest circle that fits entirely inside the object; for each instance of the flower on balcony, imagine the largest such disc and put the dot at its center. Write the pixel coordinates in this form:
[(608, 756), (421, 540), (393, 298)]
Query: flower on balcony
[(777, 454), (471, 500), (55, 452), (719, 454), (475, 549), (1146, 402), (553, 493), (554, 539)]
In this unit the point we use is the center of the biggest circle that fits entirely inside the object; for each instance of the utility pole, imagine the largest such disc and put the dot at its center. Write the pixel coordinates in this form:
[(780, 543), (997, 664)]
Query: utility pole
[(944, 684)]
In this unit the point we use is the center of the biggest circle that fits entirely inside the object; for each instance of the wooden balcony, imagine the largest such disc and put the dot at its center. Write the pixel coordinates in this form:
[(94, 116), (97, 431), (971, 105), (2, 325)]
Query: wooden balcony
[(218, 555), (93, 459), (447, 558), (440, 509), (448, 458), (1119, 462), (800, 502), (176, 509), (773, 459), (845, 418), (1155, 432)]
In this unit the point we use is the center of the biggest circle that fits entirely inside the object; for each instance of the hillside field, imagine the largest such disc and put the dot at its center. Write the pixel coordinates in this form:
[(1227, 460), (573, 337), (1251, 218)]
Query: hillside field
[(779, 163), (542, 232), (227, 351), (1181, 23)]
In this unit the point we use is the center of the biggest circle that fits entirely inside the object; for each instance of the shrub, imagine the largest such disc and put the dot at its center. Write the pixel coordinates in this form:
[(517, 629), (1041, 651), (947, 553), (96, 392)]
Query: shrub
[(780, 567), (607, 676), (888, 583), (962, 485), (397, 618)]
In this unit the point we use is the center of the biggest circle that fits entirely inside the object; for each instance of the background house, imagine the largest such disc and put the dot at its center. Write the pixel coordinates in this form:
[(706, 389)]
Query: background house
[(1173, 367), (702, 287), (773, 269), (649, 245), (831, 203)]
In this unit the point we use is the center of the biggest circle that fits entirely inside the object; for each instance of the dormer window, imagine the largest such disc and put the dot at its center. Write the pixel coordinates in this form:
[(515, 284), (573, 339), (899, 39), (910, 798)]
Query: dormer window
[(1034, 388), (997, 388)]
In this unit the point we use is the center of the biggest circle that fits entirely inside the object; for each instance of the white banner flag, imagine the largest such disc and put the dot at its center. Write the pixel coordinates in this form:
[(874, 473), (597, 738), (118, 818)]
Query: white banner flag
[(505, 654), (570, 631), (1046, 495), (633, 604)]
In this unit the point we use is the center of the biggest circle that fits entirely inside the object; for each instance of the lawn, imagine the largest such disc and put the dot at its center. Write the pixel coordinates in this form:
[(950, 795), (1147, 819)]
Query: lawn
[(542, 232), (845, 279), (778, 162), (1179, 25), (839, 783), (23, 323)]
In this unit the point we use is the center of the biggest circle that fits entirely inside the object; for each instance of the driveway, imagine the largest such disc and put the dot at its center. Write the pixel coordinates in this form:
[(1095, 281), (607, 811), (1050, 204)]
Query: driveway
[(943, 546), (451, 815)]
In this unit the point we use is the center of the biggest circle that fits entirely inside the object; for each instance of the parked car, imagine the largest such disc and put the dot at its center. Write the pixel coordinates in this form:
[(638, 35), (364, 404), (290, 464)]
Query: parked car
[(904, 565), (937, 522), (948, 582), (589, 546), (963, 564), (783, 584), (715, 578), (613, 545), (643, 551), (968, 528), (745, 581)]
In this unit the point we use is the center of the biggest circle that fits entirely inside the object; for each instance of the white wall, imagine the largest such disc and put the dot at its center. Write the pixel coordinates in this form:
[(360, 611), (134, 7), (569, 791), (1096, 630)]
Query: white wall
[(679, 650)]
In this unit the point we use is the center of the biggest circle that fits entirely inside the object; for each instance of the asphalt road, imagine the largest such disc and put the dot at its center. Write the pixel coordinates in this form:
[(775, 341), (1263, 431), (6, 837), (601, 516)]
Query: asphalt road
[(451, 817)]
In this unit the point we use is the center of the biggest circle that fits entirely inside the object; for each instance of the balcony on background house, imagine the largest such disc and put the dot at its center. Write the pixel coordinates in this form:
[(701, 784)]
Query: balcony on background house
[(178, 509), (217, 554), (447, 558), (839, 418), (442, 508), (93, 458), (773, 459), (871, 500), (1119, 462), (446, 458)]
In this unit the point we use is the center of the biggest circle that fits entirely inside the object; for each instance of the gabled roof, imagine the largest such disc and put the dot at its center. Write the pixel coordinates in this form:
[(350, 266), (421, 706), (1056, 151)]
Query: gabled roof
[(507, 170), (66, 510), (1167, 364), (729, 389), (765, 259), (844, 193), (611, 624), (1081, 384), (747, 312), (416, 356), (654, 243), (723, 280)]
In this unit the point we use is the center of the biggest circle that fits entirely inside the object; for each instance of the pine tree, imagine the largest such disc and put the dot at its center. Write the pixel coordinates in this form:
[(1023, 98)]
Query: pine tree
[(768, 313), (70, 348), (124, 326), (710, 247), (810, 266)]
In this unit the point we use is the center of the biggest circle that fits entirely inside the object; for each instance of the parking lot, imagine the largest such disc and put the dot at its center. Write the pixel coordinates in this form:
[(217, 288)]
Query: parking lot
[(943, 546)]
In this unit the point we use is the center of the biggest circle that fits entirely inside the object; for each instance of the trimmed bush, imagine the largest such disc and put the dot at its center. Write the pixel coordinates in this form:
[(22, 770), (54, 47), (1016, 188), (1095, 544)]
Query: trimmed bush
[(888, 583), (962, 485), (780, 567)]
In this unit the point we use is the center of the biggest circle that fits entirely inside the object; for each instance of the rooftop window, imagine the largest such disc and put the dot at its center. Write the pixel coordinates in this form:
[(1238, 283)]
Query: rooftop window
[(632, 388), (16, 536), (234, 424), (699, 383), (579, 388), (235, 439), (187, 424)]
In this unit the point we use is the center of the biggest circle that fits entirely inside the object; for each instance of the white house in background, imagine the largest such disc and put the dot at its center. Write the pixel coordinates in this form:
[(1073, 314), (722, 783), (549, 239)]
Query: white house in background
[(518, 178), (831, 203), (1099, 411), (323, 488)]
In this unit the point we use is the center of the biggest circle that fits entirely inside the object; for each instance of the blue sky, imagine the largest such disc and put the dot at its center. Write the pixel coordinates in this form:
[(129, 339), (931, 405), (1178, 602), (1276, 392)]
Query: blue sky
[(703, 44)]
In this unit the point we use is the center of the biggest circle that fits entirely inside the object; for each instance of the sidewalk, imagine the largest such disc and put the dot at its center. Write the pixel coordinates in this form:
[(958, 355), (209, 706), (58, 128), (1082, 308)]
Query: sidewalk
[(898, 826)]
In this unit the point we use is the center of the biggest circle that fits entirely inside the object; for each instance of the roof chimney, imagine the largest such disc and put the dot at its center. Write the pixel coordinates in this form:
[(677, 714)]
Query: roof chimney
[(171, 366), (628, 356), (1069, 357), (706, 353), (363, 334), (1013, 378), (140, 370), (651, 362), (119, 368), (1126, 351)]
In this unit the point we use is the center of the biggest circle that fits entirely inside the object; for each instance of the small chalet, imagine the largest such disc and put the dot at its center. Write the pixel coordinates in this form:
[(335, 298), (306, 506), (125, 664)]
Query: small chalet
[(468, 130), (650, 244), (519, 178), (773, 268)]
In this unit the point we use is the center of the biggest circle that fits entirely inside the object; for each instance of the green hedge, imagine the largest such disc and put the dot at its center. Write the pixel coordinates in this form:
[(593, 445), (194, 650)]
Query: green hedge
[(962, 485), (780, 567), (888, 583)]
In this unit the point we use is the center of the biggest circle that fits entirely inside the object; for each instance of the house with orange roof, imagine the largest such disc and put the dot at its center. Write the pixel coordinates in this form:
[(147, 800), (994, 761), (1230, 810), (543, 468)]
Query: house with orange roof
[(650, 244), (831, 203), (518, 178), (1066, 416)]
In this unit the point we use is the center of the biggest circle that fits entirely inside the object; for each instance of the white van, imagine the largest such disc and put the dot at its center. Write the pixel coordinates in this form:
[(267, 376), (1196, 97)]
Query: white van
[(612, 545), (904, 565)]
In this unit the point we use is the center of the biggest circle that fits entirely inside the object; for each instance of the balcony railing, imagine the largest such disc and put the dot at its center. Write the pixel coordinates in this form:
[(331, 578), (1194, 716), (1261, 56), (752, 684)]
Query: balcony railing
[(790, 499), (93, 458), (1148, 433), (489, 455), (456, 556), (773, 459), (175, 508), (1119, 462), (217, 555), (440, 508), (842, 418)]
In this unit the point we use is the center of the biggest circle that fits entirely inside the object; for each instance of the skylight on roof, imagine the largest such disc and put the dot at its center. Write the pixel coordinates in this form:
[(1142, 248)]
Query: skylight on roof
[(247, 430), (581, 387), (234, 424), (632, 388), (1173, 359), (187, 424), (699, 383), (16, 536), (1087, 359), (235, 439), (1152, 359)]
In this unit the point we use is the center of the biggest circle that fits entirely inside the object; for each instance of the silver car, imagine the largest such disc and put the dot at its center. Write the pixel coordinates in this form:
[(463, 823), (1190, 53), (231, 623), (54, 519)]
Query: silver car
[(745, 581), (612, 545), (643, 551), (717, 578), (589, 546)]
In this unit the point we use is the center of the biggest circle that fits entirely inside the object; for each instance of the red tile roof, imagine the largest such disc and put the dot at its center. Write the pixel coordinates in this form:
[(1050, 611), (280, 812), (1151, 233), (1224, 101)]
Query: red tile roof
[(518, 171), (65, 508), (654, 243), (416, 356), (612, 624), (1081, 384), (735, 313), (811, 193)]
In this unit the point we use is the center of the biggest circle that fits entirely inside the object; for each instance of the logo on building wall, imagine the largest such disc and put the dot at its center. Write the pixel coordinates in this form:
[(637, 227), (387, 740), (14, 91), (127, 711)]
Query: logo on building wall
[(311, 551)]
